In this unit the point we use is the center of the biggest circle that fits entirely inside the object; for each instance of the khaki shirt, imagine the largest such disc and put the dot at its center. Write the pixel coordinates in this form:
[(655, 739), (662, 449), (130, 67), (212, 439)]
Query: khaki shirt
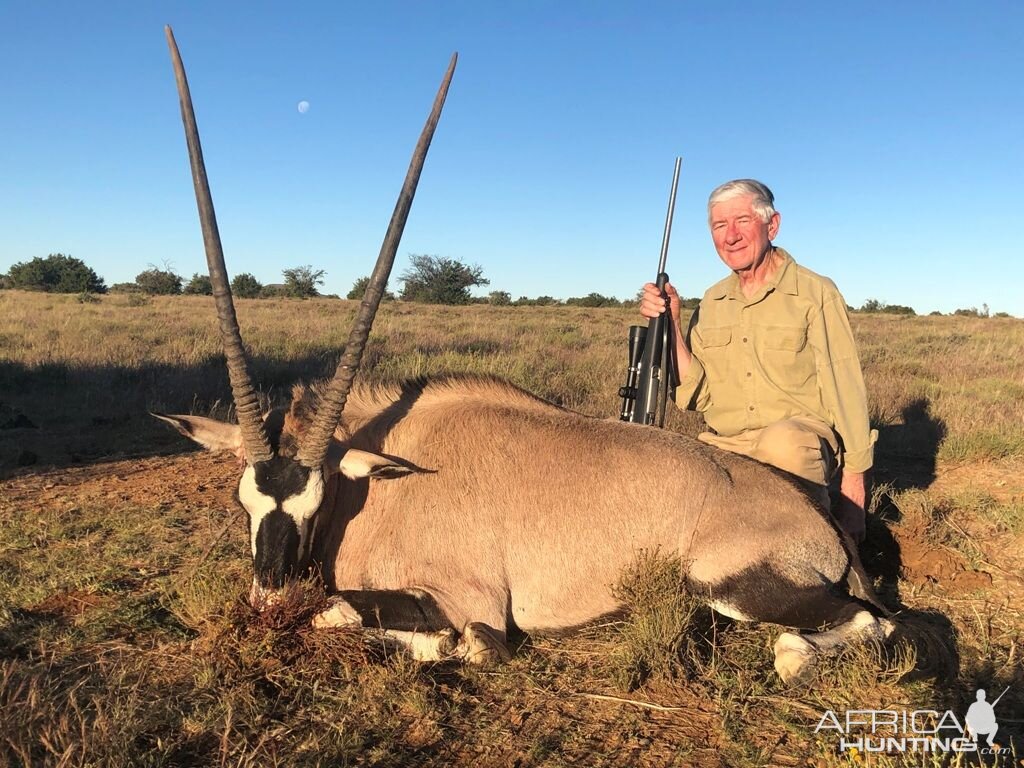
[(787, 351)]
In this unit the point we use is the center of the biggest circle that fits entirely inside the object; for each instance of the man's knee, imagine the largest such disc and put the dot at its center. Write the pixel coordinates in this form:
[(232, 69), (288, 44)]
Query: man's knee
[(792, 447)]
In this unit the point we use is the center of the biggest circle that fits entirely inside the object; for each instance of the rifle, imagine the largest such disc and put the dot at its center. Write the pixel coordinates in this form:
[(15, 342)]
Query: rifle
[(651, 374), (1000, 696)]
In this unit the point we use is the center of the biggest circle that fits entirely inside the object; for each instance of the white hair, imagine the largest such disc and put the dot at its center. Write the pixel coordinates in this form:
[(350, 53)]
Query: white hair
[(762, 199)]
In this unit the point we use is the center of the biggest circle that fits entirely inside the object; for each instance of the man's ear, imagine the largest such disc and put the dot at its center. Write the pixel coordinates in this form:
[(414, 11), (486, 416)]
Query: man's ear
[(355, 464), (211, 434)]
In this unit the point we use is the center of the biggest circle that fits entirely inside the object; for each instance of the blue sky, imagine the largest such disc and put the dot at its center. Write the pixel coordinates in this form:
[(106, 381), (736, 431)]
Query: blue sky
[(891, 134)]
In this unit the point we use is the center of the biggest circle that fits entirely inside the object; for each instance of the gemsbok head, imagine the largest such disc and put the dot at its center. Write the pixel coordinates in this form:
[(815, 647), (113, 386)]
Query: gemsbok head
[(283, 483)]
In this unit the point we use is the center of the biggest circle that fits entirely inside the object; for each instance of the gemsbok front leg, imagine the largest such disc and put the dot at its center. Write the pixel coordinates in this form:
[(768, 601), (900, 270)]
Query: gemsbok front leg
[(413, 620)]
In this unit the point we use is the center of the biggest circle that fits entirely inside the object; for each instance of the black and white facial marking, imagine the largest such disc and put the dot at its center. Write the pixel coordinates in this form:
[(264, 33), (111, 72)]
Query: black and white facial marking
[(281, 497)]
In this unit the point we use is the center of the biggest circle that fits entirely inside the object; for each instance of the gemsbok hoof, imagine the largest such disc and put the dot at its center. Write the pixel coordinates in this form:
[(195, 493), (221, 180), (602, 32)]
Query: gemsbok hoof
[(481, 645), (795, 658)]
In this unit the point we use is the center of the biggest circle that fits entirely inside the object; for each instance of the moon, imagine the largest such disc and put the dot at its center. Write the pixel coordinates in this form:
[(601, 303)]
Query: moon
[(303, 107)]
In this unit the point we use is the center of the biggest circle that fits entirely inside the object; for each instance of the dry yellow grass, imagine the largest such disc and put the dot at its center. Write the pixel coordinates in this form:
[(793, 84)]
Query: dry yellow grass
[(123, 642)]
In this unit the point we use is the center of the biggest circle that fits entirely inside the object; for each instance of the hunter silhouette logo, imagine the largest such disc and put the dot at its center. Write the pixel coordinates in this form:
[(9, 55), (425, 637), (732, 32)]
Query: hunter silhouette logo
[(981, 717)]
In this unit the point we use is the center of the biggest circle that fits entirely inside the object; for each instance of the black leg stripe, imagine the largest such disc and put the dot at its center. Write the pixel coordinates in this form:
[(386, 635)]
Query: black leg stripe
[(393, 609)]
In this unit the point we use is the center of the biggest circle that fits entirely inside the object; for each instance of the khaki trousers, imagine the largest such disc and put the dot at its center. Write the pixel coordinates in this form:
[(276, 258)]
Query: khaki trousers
[(801, 446)]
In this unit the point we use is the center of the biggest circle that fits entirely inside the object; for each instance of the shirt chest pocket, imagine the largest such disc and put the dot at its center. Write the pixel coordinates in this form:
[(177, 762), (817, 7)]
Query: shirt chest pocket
[(787, 359), (785, 339), (715, 352)]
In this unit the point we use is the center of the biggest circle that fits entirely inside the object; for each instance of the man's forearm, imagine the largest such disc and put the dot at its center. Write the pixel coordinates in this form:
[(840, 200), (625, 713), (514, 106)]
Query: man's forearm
[(854, 487)]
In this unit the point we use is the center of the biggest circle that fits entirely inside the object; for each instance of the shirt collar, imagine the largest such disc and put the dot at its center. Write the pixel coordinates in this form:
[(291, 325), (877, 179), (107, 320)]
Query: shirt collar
[(784, 280)]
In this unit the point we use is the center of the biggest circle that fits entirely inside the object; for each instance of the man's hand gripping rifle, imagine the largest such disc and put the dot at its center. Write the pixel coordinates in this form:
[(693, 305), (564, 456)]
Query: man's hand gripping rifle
[(650, 378)]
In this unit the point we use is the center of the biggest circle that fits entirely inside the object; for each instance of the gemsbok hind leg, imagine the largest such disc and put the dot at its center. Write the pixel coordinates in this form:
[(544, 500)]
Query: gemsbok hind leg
[(766, 593), (797, 655)]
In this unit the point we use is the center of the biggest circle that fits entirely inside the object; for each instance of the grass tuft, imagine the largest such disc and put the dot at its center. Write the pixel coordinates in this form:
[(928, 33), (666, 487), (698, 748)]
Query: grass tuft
[(663, 636)]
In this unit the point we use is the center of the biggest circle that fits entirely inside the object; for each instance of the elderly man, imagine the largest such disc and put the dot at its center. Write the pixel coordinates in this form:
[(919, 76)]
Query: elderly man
[(769, 357)]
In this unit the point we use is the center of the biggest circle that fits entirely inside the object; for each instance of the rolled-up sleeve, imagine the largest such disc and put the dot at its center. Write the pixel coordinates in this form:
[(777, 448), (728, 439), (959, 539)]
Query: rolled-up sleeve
[(692, 393), (841, 382)]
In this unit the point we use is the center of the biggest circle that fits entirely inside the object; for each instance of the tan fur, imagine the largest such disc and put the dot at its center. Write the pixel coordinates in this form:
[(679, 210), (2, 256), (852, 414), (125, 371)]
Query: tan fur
[(528, 512)]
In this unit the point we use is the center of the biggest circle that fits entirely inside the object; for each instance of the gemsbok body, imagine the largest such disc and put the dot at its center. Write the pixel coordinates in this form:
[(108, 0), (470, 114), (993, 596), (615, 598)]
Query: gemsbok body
[(448, 512)]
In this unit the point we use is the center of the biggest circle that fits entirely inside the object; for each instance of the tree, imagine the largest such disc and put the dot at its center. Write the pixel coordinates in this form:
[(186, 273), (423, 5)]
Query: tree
[(199, 285), (436, 280), (159, 282), (359, 288), (499, 298), (56, 273), (245, 286), (301, 282)]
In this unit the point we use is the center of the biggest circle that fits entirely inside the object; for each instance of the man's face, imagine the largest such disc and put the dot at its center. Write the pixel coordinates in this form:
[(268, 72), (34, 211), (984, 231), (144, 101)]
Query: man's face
[(741, 238)]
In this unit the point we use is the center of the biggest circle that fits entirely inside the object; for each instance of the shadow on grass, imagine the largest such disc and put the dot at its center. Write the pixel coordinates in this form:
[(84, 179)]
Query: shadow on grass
[(905, 459), (58, 415), (905, 454)]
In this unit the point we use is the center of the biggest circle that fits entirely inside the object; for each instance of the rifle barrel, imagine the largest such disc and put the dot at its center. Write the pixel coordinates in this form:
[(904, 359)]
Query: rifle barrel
[(1000, 696), (668, 217)]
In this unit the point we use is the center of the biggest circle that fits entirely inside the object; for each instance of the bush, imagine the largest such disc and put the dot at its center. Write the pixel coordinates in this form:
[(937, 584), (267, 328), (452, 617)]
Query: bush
[(499, 298), (245, 286), (435, 280), (159, 282), (593, 300), (199, 285), (88, 298), (301, 282), (540, 301), (359, 288), (125, 288), (138, 299), (899, 309), (876, 306), (274, 291), (972, 312), (56, 273)]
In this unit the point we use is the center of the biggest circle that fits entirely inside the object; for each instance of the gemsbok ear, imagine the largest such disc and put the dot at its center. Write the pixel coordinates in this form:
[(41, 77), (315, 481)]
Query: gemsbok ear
[(211, 434), (359, 464)]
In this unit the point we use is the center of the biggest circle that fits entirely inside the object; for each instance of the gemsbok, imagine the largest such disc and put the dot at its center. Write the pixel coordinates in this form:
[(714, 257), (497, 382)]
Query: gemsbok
[(447, 512)]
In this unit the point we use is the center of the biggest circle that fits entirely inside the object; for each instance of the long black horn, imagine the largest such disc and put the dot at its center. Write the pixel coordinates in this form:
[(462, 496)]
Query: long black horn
[(247, 406), (314, 447)]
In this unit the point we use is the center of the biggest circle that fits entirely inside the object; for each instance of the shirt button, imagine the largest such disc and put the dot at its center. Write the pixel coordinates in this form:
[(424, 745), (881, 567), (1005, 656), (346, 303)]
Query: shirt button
[(750, 408), (744, 339), (749, 374)]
